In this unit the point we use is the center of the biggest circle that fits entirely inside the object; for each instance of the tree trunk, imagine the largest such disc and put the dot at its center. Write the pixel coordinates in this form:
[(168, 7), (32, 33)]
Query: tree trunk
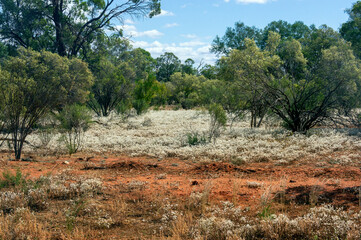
[(58, 22)]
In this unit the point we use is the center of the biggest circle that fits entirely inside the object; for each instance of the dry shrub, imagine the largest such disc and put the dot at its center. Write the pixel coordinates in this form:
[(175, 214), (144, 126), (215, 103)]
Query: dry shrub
[(10, 201), (112, 214), (229, 211), (198, 201), (60, 189), (229, 222), (214, 228), (180, 228), (37, 199), (22, 225)]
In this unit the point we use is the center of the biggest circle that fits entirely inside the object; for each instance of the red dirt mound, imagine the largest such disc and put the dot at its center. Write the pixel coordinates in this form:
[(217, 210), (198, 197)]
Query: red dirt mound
[(131, 165)]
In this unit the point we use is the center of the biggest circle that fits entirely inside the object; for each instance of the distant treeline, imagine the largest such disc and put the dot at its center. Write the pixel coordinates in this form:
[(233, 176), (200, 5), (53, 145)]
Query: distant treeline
[(60, 53)]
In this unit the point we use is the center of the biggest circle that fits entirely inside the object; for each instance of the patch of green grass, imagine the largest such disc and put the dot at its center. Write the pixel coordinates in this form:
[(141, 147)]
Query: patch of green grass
[(10, 179), (195, 138)]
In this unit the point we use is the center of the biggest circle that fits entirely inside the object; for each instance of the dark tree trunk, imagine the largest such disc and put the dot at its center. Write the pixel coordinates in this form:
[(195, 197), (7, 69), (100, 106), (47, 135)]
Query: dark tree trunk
[(58, 22)]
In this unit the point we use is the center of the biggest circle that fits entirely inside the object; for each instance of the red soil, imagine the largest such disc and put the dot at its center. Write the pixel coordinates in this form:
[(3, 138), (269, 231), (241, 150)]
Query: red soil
[(292, 184)]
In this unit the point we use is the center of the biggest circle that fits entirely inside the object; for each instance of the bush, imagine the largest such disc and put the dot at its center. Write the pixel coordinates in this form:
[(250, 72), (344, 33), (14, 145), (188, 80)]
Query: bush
[(218, 120), (12, 180), (74, 121), (145, 90), (32, 84), (195, 138)]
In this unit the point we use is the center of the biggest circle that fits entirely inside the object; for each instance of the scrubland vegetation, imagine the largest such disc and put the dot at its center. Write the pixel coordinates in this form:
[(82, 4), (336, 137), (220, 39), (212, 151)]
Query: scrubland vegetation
[(101, 141)]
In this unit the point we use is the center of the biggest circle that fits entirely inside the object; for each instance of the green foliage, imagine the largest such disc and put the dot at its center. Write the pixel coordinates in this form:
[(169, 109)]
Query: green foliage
[(166, 65), (266, 212), (245, 72), (218, 121), (316, 40), (35, 83), (303, 82), (196, 138), (144, 91), (305, 95), (227, 94), (74, 121), (184, 89), (10, 180), (73, 212), (140, 61), (66, 27), (235, 38), (208, 71), (188, 68), (110, 89), (351, 30)]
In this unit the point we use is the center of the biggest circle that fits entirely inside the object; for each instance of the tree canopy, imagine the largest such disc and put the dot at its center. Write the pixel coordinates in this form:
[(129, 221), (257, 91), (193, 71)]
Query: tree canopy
[(65, 26), (34, 83), (351, 30)]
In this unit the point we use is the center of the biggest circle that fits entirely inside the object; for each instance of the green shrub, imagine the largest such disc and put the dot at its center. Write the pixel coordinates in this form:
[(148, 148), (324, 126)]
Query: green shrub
[(74, 121), (218, 120), (195, 138), (12, 180)]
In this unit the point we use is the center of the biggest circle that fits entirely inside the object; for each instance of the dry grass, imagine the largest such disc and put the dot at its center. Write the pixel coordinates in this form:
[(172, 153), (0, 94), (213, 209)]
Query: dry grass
[(84, 210)]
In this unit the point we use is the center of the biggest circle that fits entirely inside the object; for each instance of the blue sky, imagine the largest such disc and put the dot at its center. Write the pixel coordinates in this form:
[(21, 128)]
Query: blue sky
[(188, 27)]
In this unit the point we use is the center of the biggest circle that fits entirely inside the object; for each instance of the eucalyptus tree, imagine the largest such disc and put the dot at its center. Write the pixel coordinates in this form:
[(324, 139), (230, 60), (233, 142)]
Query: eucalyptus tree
[(65, 26), (166, 65), (110, 88), (234, 38), (247, 70), (188, 68), (304, 96), (351, 30), (34, 83)]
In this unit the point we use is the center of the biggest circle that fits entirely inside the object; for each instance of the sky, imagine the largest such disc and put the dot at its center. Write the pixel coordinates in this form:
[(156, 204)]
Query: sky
[(188, 27)]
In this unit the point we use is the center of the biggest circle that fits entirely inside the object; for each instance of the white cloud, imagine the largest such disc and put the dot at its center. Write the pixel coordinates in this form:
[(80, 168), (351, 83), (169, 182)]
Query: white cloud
[(165, 13), (226, 1), (128, 28), (170, 25), (129, 21), (192, 44), (198, 51), (131, 31), (151, 33)]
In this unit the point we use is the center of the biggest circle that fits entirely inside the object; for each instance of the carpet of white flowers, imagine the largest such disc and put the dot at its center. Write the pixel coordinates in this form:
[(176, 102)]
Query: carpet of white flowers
[(164, 134)]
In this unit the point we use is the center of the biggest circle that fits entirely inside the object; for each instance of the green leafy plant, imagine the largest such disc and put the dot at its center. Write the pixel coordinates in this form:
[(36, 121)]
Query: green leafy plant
[(74, 121), (196, 138), (218, 121), (266, 212), (145, 90), (35, 83), (73, 212), (10, 179)]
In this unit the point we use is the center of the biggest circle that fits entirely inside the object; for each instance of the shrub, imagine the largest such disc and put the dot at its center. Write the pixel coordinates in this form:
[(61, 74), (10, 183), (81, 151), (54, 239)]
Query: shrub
[(218, 120), (32, 84), (12, 180), (145, 90), (22, 225), (74, 121), (195, 138)]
